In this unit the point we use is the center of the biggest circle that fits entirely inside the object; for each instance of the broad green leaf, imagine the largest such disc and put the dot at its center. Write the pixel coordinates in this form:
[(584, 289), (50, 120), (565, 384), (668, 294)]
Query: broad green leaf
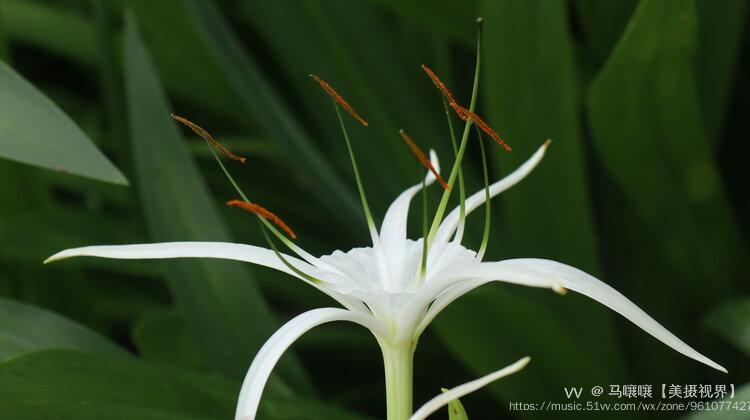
[(25, 328), (271, 113), (602, 24), (648, 132), (35, 131), (731, 408), (68, 384), (456, 410), (52, 27), (720, 28), (162, 337), (71, 384), (731, 321), (221, 305)]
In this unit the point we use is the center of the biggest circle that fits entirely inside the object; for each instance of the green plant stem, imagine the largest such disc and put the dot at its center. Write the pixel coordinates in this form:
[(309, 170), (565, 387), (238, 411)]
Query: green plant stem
[(398, 360)]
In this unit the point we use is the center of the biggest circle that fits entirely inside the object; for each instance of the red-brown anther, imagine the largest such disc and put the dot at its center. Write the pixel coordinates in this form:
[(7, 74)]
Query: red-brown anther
[(264, 213), (439, 84), (338, 98), (209, 138), (481, 124), (423, 158)]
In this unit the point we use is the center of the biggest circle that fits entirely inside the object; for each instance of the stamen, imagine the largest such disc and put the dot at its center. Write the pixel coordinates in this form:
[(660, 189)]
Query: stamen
[(208, 137), (264, 213), (422, 158), (439, 84), (336, 97), (462, 112), (465, 113)]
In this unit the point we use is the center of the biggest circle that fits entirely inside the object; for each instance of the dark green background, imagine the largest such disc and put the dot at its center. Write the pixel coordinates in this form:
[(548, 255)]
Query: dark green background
[(644, 186)]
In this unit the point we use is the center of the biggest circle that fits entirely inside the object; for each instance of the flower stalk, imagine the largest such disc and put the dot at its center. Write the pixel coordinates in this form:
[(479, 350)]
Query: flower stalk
[(398, 360)]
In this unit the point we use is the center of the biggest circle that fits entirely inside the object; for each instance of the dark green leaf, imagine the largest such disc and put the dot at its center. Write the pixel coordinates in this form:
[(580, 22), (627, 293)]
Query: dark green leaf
[(731, 321), (65, 384), (647, 130), (221, 304), (720, 25), (35, 131), (25, 328)]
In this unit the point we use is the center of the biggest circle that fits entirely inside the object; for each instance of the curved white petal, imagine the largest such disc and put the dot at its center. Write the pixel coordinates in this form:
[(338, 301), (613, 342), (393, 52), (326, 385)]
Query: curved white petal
[(162, 250), (467, 388), (393, 228), (220, 250), (557, 276), (450, 223), (274, 348)]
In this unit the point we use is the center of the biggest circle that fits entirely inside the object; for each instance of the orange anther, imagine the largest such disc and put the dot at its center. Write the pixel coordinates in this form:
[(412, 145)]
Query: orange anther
[(264, 213), (208, 137), (423, 158), (338, 98)]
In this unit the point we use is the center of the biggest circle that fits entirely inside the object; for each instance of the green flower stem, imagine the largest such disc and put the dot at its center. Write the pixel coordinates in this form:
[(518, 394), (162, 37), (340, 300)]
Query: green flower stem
[(398, 360)]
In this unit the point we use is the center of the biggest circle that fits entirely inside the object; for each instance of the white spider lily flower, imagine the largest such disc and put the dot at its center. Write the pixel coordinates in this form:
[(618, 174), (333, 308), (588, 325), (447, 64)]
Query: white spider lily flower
[(396, 308)]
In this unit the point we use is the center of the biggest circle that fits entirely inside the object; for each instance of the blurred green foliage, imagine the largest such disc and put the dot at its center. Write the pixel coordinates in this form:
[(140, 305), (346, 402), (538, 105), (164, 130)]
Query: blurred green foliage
[(645, 186)]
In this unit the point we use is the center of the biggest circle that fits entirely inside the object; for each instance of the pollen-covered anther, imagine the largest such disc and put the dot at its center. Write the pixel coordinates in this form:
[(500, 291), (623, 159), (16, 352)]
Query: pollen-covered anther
[(440, 85), (208, 138), (264, 213), (465, 113), (422, 158), (339, 99)]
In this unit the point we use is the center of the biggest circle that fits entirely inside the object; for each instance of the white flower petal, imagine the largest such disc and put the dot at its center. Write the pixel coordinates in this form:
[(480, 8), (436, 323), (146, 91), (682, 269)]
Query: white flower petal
[(274, 348), (469, 387), (393, 229), (450, 223), (222, 250), (554, 275)]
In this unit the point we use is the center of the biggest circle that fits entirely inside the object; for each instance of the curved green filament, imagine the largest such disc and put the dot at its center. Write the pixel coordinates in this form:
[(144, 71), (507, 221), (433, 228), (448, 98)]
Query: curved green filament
[(461, 185), (360, 186), (487, 208), (289, 265), (462, 148)]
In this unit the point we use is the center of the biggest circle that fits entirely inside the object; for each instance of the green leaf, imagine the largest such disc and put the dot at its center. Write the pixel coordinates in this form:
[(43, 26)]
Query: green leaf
[(52, 27), (456, 410), (647, 130), (35, 131), (720, 27), (25, 328), (221, 304), (163, 338), (74, 385), (731, 321), (68, 384)]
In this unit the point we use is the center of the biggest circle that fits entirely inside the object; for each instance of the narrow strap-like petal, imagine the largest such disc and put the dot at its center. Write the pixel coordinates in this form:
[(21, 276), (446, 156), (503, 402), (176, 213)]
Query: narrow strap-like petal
[(393, 228), (450, 223), (221, 250), (467, 388), (274, 348), (557, 276)]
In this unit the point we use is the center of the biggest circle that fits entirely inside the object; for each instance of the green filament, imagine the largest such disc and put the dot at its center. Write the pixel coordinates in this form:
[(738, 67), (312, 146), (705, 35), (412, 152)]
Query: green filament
[(280, 256), (487, 208), (461, 186), (360, 186)]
